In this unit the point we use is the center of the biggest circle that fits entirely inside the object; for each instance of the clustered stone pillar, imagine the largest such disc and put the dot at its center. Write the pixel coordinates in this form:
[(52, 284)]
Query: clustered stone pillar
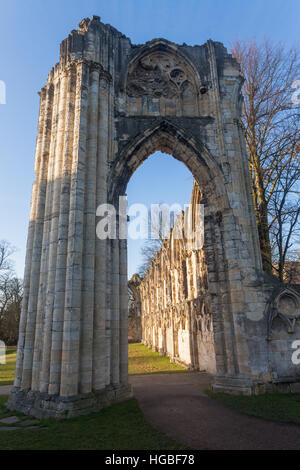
[(123, 326), (70, 337), (102, 113), (101, 334)]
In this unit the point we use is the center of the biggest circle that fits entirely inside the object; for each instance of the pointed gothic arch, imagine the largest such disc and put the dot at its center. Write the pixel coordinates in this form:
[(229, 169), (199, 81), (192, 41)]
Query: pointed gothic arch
[(104, 109), (167, 137)]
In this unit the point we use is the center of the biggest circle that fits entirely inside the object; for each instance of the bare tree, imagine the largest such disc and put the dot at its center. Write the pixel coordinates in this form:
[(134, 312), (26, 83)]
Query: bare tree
[(134, 305), (11, 291), (6, 250), (6, 273), (160, 229), (291, 273), (161, 225), (148, 253), (271, 125), (10, 309), (284, 226)]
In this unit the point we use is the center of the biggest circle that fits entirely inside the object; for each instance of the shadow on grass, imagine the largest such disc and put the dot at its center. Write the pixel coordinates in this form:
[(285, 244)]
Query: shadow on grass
[(118, 427), (274, 407)]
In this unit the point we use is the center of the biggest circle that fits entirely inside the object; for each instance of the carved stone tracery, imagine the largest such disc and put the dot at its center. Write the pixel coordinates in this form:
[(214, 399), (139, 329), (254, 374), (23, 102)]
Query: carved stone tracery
[(283, 304), (159, 74)]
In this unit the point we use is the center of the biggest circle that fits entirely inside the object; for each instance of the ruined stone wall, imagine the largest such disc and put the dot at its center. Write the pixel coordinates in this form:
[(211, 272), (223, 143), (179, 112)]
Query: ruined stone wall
[(107, 105), (134, 310), (134, 329), (175, 303)]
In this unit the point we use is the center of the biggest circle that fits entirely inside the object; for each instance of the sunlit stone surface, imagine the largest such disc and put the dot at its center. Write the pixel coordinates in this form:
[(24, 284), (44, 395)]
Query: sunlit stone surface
[(107, 105)]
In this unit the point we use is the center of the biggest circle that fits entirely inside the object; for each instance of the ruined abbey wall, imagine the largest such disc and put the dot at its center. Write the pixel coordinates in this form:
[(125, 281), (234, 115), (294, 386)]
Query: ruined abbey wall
[(175, 303), (134, 310), (106, 106)]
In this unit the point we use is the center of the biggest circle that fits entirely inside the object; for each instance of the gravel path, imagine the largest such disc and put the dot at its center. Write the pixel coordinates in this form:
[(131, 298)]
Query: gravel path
[(177, 405)]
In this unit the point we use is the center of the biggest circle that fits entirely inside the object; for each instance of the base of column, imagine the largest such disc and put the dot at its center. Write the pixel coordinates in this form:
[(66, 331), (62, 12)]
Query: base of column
[(244, 386), (233, 385), (42, 405), (281, 385)]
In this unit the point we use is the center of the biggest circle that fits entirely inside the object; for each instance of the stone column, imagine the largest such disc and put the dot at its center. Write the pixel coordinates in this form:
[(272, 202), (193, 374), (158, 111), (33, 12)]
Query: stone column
[(101, 322), (62, 243), (72, 311), (216, 308), (108, 292), (44, 260), (88, 283), (45, 114), (123, 313), (115, 311), (42, 190), (54, 204)]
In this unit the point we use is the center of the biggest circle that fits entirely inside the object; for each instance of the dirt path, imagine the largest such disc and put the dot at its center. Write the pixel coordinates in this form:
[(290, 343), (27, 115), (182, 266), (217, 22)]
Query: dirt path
[(177, 405)]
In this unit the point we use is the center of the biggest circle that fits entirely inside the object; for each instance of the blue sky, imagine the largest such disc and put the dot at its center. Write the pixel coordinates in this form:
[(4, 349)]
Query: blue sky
[(30, 34)]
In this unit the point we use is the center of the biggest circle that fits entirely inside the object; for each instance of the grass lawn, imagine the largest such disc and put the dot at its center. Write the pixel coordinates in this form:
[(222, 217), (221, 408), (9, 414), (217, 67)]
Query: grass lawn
[(121, 426), (118, 427), (275, 407), (143, 360), (7, 370)]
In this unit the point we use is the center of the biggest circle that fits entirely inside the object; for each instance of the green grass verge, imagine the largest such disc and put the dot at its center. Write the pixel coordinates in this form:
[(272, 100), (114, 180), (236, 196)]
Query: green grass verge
[(7, 371), (275, 407), (143, 360), (119, 427)]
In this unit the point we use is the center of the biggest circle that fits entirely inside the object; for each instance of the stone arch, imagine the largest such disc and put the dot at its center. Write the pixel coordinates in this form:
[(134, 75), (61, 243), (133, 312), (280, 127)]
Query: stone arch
[(97, 124), (168, 138)]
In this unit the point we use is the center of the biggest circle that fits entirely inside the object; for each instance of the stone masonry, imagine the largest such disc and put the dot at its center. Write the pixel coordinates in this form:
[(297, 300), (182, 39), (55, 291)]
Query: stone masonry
[(134, 310), (175, 301), (107, 105)]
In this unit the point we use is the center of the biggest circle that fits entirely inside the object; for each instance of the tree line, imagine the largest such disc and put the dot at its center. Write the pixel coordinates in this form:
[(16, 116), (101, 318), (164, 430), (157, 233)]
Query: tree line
[(11, 291), (270, 120)]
